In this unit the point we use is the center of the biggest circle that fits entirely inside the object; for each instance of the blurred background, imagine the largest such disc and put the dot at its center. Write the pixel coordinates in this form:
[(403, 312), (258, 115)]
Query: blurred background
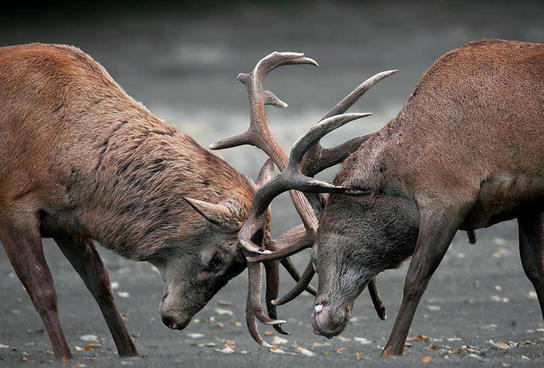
[(180, 59)]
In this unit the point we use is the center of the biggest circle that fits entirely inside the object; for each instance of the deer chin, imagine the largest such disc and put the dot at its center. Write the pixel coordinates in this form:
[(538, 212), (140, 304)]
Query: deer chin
[(329, 320)]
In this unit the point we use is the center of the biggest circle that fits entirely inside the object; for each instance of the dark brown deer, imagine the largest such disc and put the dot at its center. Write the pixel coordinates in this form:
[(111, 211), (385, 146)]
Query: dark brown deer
[(80, 161), (465, 152)]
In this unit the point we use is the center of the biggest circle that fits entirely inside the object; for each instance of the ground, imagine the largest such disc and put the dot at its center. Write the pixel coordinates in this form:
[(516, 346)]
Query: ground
[(480, 308)]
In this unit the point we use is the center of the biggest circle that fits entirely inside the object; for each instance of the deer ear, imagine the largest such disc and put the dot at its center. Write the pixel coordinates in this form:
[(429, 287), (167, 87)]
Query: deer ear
[(266, 173), (223, 214)]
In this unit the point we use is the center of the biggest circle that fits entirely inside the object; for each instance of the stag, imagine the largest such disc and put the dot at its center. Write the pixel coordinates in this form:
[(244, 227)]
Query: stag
[(465, 152), (80, 161)]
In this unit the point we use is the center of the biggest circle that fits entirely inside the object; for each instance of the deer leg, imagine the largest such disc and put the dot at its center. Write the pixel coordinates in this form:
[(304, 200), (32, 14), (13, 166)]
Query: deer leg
[(530, 249), (435, 234), (83, 255), (23, 246)]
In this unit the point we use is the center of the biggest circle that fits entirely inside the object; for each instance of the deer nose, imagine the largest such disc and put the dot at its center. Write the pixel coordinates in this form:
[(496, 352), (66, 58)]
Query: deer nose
[(174, 324), (328, 321)]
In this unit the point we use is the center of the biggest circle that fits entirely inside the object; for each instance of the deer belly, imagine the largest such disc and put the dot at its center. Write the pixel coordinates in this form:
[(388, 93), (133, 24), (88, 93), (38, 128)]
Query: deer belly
[(505, 197)]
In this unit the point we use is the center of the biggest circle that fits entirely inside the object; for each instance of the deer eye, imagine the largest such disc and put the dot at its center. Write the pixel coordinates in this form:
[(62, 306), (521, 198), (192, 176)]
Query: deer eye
[(215, 262)]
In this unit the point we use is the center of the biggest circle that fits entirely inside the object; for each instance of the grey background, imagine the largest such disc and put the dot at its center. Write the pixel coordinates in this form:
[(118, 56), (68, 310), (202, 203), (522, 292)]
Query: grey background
[(181, 63)]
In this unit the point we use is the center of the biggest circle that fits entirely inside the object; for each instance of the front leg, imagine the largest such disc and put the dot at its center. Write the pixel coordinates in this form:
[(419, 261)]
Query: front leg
[(436, 231), (83, 255)]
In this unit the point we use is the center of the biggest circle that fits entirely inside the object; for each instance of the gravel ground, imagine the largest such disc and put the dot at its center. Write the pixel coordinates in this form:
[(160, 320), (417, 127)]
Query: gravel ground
[(479, 308)]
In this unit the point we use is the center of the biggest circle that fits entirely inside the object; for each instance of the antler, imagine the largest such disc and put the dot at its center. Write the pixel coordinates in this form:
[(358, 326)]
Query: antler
[(259, 135), (315, 160)]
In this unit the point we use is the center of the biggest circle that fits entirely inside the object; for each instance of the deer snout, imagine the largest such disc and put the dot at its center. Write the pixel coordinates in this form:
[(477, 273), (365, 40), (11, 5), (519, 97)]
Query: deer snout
[(175, 322), (172, 315), (328, 320)]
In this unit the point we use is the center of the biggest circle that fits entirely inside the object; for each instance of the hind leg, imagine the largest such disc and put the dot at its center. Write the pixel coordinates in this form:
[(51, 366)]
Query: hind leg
[(530, 247), (83, 256), (23, 244)]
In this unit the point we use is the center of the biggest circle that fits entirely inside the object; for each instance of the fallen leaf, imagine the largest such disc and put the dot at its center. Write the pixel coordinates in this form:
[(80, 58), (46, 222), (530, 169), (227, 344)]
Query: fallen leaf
[(426, 359), (343, 339), (277, 350), (362, 340), (320, 344), (123, 294), (92, 338), (532, 295), (339, 350), (226, 350), (114, 285), (236, 323), (418, 338), (540, 330), (359, 355), (279, 340), (79, 365), (224, 303), (195, 335), (434, 308), (220, 325), (304, 352), (230, 343), (498, 287), (431, 347), (2, 346), (268, 333), (221, 311)]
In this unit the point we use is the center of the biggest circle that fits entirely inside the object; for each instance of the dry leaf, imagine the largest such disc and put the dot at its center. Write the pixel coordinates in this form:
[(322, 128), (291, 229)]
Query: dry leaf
[(92, 338), (431, 347), (223, 311), (277, 350), (2, 346), (224, 303), (426, 359), (305, 352), (226, 350), (78, 349), (418, 338), (359, 355), (230, 343), (236, 323), (123, 294), (362, 340), (269, 333), (339, 350), (279, 340), (220, 325), (195, 335)]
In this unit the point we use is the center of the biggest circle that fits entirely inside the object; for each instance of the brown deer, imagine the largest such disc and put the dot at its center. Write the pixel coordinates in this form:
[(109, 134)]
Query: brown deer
[(80, 161), (465, 152)]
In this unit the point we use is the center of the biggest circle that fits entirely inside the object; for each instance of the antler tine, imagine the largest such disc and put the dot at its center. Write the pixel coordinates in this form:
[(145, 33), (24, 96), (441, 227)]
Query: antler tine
[(319, 158), (301, 285), (272, 269), (258, 133), (290, 178), (376, 300), (295, 235)]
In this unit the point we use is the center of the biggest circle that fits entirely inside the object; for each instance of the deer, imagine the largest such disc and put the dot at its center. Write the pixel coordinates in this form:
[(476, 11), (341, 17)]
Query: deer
[(465, 152), (83, 163)]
